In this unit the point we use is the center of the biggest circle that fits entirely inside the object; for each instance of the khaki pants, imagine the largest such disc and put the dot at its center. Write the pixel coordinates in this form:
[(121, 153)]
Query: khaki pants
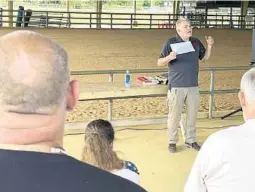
[(176, 99)]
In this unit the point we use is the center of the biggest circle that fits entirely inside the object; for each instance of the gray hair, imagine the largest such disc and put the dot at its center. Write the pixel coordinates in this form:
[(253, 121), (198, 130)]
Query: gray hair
[(248, 84), (181, 20), (34, 73)]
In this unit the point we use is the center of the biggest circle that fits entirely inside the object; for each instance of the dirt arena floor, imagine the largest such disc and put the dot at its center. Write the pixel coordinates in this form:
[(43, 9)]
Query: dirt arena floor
[(133, 49)]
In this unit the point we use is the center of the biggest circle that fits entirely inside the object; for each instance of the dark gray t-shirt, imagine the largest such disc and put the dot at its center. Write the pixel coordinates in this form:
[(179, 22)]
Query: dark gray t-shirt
[(24, 171), (183, 71)]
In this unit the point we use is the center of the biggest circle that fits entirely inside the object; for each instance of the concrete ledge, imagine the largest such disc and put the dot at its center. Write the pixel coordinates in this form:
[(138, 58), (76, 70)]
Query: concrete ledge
[(147, 121)]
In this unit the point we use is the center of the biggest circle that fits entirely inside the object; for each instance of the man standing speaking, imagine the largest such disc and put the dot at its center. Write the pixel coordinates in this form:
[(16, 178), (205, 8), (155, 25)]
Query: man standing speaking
[(183, 83)]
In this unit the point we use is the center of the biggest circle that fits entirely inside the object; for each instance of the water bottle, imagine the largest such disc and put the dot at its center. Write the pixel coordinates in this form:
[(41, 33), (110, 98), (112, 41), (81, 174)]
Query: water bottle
[(127, 79)]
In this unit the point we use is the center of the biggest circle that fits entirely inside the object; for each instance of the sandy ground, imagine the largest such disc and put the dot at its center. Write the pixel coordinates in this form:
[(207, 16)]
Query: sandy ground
[(160, 170), (132, 49)]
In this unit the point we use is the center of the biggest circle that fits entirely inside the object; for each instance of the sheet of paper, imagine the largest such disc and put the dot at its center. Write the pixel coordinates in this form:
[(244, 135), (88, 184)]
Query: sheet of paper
[(183, 47)]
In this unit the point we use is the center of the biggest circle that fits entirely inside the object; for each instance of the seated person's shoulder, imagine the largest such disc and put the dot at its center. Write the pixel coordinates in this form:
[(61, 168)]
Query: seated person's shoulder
[(224, 136), (80, 176), (226, 132), (116, 183), (93, 174), (131, 166), (129, 172)]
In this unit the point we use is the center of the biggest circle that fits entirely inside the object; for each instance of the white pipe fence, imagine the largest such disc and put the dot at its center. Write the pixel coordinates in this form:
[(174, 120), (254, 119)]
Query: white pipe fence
[(211, 92), (60, 19)]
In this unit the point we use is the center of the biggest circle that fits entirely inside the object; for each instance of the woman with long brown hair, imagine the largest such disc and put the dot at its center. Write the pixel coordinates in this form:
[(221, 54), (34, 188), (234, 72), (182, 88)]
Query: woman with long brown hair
[(98, 151)]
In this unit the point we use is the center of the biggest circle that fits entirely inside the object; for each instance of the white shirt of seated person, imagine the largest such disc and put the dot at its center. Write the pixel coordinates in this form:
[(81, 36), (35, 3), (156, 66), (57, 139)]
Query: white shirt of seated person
[(129, 172), (226, 161)]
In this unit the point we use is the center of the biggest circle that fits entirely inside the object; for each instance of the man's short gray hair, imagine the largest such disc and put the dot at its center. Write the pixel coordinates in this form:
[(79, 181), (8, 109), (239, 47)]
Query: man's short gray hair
[(248, 84), (34, 73), (179, 21)]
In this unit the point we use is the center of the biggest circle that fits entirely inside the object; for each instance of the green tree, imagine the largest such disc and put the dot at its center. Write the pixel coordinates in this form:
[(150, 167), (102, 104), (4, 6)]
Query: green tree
[(159, 3), (146, 3), (118, 3)]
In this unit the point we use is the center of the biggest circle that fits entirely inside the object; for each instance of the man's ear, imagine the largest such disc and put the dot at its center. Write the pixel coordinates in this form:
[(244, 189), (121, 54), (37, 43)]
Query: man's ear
[(242, 99), (73, 95)]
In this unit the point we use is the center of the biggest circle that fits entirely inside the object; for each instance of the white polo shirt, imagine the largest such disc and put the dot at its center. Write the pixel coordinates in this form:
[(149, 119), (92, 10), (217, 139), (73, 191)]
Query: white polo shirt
[(226, 162)]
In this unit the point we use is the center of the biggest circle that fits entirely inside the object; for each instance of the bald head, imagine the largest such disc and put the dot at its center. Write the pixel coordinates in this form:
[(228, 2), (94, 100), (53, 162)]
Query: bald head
[(34, 73)]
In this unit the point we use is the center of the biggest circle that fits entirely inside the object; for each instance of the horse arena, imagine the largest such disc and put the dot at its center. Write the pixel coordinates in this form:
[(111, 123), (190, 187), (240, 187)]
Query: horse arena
[(134, 49), (139, 49)]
